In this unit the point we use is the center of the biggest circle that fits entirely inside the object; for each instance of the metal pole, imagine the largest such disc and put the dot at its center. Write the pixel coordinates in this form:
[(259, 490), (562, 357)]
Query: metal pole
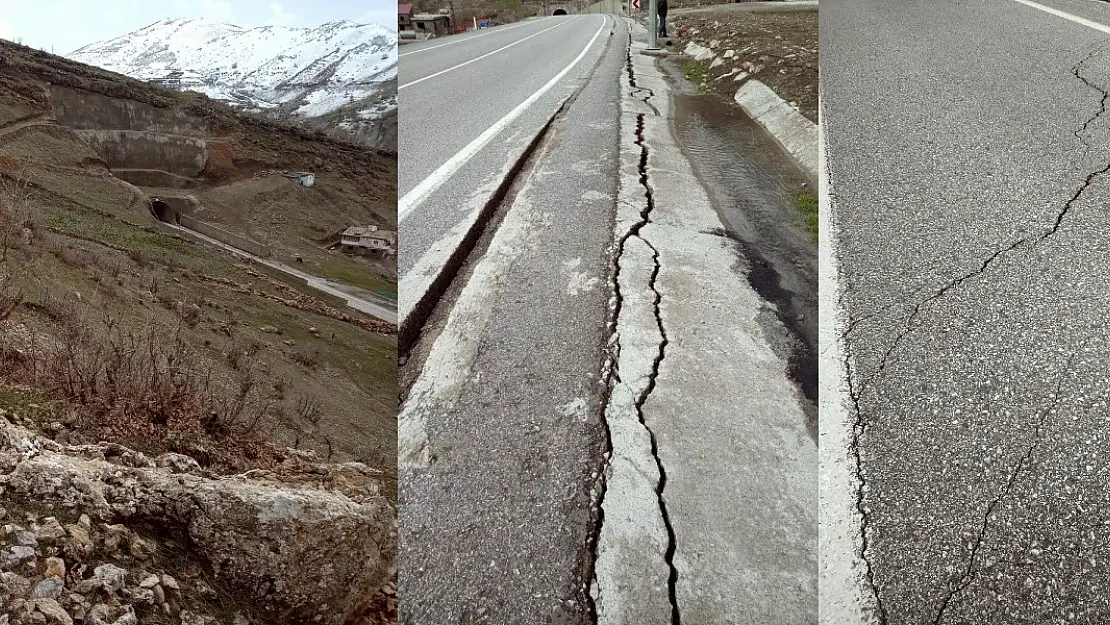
[(653, 25)]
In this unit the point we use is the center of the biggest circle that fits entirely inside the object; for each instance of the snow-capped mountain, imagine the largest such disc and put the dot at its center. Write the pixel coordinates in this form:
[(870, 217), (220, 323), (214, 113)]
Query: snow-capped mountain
[(343, 70)]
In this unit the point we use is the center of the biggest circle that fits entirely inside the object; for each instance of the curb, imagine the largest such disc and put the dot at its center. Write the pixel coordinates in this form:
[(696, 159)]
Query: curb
[(790, 129)]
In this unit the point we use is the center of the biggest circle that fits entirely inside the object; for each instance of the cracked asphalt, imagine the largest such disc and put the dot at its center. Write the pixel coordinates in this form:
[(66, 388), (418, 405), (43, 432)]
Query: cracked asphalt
[(708, 512), (601, 425), (969, 181), (501, 437)]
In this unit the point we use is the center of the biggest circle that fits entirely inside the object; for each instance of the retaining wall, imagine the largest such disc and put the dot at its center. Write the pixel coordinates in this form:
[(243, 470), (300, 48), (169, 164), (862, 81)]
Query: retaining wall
[(224, 236), (140, 149), (614, 7), (85, 110)]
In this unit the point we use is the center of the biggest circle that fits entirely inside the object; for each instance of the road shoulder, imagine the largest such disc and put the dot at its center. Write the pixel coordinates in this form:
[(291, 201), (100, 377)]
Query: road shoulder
[(690, 440)]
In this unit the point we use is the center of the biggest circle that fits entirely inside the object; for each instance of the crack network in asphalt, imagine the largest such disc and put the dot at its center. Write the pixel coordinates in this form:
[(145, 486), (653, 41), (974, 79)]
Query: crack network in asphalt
[(1078, 73), (861, 424), (965, 579), (644, 94)]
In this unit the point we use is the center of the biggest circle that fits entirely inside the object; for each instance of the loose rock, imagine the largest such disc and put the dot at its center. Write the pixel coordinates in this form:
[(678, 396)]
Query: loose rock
[(55, 567), (48, 589), (110, 576)]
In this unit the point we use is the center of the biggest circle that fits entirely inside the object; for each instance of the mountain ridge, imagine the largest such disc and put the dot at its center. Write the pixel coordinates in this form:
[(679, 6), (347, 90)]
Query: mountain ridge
[(341, 75)]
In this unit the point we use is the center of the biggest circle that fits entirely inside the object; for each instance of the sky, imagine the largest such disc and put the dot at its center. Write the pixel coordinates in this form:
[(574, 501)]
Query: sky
[(62, 26)]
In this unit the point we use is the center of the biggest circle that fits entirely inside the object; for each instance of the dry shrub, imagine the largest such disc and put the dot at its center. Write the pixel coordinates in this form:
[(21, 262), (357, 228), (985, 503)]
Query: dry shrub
[(137, 256), (309, 359), (11, 295), (308, 409), (73, 256), (21, 229), (189, 313), (111, 266), (21, 223), (148, 387)]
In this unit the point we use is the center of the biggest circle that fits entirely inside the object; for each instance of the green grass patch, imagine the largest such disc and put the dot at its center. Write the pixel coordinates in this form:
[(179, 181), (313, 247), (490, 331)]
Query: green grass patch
[(697, 73), (356, 274), (807, 206)]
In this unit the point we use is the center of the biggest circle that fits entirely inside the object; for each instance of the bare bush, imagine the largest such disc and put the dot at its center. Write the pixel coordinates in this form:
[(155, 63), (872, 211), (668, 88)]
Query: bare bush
[(21, 223), (137, 256), (189, 313), (142, 378), (73, 257), (309, 359), (308, 409)]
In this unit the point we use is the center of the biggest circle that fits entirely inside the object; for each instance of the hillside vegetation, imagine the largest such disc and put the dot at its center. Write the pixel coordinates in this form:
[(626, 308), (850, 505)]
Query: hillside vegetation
[(116, 327)]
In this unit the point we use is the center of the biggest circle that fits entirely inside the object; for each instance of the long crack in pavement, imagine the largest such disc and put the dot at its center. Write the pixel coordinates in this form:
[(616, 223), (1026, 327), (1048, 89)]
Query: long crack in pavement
[(965, 579), (861, 424), (644, 94), (1077, 72)]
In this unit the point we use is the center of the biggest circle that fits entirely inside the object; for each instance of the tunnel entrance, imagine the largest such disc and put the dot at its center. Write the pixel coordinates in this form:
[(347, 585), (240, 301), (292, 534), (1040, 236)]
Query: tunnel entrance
[(559, 12), (163, 211)]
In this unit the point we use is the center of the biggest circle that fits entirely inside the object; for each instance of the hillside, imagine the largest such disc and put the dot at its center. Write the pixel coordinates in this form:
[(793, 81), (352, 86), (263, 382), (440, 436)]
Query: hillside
[(130, 345), (304, 74), (71, 139)]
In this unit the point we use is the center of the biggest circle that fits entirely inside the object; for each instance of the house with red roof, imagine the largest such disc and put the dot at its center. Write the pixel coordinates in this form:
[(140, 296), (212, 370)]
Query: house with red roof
[(404, 19)]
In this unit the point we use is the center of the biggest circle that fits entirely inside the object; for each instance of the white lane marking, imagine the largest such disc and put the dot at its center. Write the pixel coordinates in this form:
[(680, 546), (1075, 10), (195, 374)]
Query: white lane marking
[(843, 598), (471, 38), (420, 192), (1068, 16), (478, 58)]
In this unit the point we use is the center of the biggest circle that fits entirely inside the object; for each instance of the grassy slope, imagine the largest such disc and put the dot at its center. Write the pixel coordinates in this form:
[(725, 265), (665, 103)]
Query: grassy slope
[(357, 186), (102, 256)]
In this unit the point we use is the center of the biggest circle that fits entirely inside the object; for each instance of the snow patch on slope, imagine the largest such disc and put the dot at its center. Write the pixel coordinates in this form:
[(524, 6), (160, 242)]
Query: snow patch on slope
[(313, 70)]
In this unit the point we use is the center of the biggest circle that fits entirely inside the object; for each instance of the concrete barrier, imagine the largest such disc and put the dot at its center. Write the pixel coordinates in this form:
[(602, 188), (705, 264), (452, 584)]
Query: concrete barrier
[(613, 7), (790, 128), (230, 238)]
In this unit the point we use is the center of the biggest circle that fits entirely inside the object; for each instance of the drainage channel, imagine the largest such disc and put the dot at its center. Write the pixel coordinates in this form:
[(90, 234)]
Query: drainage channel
[(754, 188)]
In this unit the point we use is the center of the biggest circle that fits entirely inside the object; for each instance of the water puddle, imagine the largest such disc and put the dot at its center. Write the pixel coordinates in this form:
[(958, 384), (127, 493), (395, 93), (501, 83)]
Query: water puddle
[(753, 185)]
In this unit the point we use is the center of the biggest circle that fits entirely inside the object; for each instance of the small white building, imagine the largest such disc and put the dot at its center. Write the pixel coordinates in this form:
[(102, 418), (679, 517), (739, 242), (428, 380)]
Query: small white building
[(369, 239), (305, 178)]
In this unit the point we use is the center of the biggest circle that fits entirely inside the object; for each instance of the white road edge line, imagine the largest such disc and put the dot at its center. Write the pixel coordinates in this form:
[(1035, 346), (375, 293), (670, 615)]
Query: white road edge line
[(464, 39), (844, 597), (420, 192), (1068, 16), (478, 58)]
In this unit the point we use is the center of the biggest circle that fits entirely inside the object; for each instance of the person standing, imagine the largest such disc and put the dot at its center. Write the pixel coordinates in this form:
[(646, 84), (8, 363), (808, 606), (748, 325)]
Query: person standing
[(661, 9)]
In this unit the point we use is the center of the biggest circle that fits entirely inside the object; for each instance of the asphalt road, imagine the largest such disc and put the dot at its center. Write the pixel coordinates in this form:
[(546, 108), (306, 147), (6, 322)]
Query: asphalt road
[(355, 301), (456, 151), (600, 425), (501, 436), (967, 156)]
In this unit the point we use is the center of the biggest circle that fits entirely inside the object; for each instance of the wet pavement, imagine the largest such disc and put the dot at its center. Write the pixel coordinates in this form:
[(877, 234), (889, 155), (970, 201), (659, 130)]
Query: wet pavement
[(753, 185)]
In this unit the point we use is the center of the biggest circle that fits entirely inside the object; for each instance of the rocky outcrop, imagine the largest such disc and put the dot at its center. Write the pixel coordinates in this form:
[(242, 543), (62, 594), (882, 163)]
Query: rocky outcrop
[(306, 542)]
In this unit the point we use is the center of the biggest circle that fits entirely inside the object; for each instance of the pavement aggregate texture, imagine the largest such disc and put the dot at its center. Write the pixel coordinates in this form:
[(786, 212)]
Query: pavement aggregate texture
[(968, 177)]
